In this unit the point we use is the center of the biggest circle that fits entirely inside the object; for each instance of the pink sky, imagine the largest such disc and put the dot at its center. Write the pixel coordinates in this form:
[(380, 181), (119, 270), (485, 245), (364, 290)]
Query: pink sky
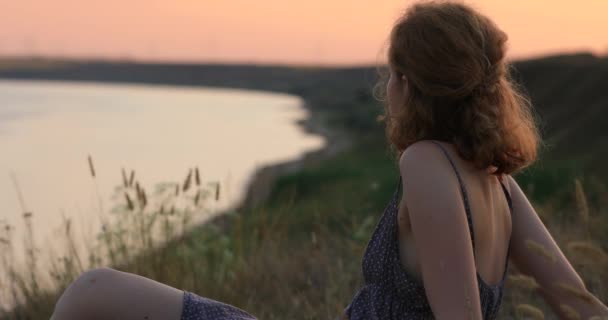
[(271, 31)]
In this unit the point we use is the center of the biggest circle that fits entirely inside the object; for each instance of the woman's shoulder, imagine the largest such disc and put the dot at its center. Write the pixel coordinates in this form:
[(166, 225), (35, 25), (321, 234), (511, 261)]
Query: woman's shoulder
[(424, 163), (429, 154), (422, 148), (425, 155)]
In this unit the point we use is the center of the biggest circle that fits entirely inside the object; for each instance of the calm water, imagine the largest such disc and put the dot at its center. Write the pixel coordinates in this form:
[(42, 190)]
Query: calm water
[(48, 129)]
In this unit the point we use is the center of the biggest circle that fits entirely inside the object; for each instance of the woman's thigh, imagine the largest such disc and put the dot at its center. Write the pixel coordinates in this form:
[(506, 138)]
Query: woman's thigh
[(110, 294)]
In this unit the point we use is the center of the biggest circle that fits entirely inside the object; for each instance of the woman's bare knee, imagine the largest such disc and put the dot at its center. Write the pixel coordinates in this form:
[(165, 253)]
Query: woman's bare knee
[(105, 293), (79, 300)]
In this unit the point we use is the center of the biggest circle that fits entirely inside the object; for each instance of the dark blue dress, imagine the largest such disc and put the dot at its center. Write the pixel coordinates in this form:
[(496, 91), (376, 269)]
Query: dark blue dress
[(196, 307), (389, 292)]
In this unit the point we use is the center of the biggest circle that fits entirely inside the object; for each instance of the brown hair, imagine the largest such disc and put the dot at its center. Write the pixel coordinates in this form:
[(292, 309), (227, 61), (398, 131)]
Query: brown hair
[(458, 87)]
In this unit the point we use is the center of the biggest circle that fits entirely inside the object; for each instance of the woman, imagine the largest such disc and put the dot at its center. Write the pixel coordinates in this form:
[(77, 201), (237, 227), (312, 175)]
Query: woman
[(460, 129)]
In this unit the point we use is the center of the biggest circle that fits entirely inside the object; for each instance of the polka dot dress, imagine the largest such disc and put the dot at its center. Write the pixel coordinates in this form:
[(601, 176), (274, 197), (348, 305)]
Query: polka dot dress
[(389, 292), (200, 308)]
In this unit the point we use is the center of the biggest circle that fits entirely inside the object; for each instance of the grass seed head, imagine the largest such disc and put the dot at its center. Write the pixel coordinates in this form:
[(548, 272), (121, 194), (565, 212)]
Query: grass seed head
[(144, 198), (197, 198), (581, 294), (588, 249), (541, 250), (569, 312), (581, 201), (197, 177), (91, 167), (131, 178), (527, 311), (129, 202), (187, 181), (125, 181), (524, 282)]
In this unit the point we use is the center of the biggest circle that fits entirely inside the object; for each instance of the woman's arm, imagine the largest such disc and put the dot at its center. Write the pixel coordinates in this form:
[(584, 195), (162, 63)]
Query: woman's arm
[(440, 232), (536, 254)]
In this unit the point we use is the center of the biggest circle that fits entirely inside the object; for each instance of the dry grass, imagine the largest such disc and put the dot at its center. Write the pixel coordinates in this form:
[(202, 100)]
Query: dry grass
[(296, 257), (574, 235), (540, 250), (526, 311), (523, 282)]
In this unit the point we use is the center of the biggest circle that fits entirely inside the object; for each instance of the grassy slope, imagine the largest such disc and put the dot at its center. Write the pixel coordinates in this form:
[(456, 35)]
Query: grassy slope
[(570, 93), (298, 255)]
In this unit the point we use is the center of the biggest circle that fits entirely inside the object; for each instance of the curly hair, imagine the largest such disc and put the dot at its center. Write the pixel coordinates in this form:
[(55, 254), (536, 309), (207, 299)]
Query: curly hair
[(459, 89)]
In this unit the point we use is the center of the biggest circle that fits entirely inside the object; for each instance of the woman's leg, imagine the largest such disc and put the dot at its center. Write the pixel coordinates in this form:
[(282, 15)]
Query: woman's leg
[(104, 293)]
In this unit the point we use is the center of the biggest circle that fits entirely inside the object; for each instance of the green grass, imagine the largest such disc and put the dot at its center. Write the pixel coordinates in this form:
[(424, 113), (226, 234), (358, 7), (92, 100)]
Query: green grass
[(298, 255), (302, 248)]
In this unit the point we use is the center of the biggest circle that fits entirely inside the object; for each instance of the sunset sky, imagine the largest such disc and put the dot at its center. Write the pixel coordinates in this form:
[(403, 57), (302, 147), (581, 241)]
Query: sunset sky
[(271, 31)]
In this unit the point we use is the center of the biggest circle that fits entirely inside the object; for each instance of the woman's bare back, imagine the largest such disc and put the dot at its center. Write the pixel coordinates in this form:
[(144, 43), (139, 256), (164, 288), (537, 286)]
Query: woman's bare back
[(496, 234), (490, 215)]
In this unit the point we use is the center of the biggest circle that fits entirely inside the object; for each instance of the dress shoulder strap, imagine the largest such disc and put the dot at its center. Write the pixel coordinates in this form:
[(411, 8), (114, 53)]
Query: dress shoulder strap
[(507, 195), (399, 186), (510, 202), (463, 191)]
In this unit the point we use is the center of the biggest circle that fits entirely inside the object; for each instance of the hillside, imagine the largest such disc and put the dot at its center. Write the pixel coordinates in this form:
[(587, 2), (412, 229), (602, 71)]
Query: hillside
[(569, 92)]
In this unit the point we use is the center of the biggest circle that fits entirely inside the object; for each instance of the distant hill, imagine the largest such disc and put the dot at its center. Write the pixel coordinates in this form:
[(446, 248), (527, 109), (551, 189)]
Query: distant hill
[(347, 91), (570, 94)]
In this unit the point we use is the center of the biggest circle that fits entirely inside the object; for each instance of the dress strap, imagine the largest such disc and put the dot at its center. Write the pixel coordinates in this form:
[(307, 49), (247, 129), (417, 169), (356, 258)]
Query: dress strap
[(397, 192), (508, 196), (510, 202), (464, 195), (400, 184)]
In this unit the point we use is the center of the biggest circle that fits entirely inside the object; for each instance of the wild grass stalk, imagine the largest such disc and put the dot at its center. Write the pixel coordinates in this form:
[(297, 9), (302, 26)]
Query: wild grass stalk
[(295, 257), (526, 311), (585, 253), (582, 205)]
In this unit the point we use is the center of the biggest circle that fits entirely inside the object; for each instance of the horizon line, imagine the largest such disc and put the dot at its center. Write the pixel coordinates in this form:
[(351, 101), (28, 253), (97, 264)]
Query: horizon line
[(250, 62)]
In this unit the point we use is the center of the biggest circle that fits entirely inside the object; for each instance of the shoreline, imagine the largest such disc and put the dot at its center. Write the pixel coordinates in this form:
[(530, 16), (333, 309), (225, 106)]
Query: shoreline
[(261, 182), (273, 80), (263, 178)]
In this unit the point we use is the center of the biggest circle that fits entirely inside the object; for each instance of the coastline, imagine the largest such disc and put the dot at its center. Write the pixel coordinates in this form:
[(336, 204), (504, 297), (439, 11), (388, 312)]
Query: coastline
[(281, 80), (260, 185), (263, 178)]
